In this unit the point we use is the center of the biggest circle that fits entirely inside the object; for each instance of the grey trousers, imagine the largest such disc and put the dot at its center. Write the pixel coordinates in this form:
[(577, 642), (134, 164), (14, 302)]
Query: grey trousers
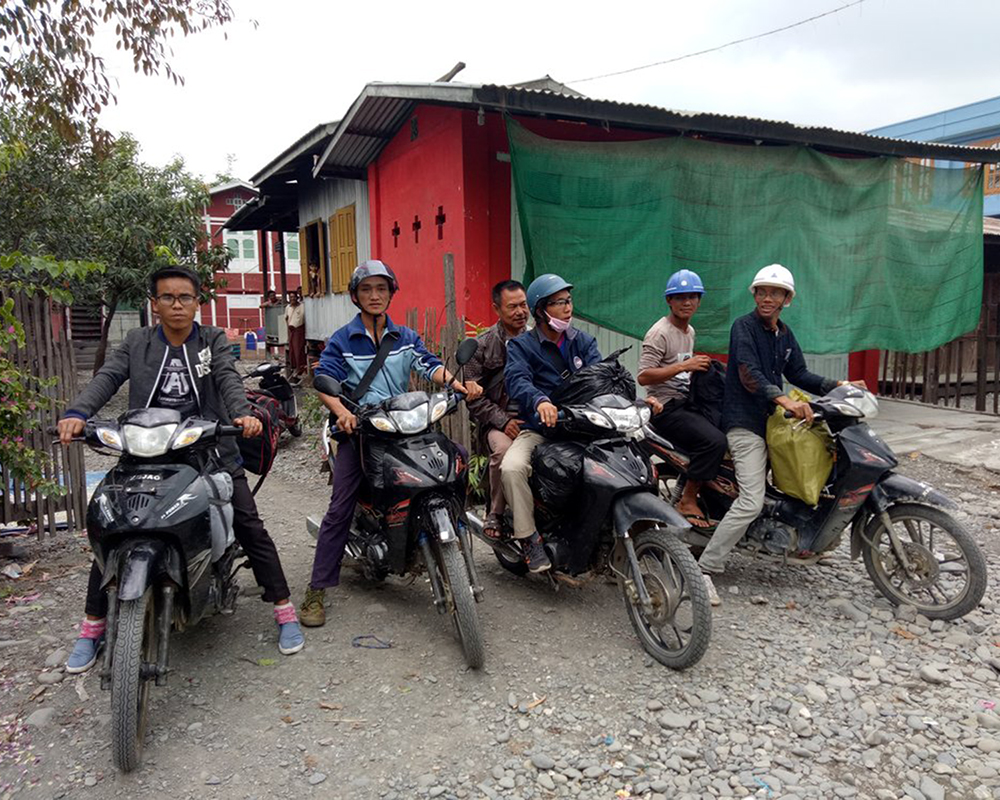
[(749, 453), (514, 472)]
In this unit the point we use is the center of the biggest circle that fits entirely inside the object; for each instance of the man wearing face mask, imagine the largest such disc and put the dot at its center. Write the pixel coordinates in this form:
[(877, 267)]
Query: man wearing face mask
[(537, 362)]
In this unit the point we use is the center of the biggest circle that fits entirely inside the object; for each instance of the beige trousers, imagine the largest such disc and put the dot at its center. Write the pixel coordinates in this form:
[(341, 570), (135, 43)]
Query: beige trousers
[(515, 471), (499, 443)]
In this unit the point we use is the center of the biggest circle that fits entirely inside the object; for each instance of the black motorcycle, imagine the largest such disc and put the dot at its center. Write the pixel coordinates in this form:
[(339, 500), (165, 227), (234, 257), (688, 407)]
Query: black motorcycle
[(597, 508), (160, 524), (915, 552), (410, 511)]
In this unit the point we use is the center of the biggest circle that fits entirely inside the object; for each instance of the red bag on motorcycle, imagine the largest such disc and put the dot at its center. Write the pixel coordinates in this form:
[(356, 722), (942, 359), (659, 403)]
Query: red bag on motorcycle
[(258, 453)]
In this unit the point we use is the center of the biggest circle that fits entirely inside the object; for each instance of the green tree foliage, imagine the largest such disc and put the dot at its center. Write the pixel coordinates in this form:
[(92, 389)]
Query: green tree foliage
[(49, 65)]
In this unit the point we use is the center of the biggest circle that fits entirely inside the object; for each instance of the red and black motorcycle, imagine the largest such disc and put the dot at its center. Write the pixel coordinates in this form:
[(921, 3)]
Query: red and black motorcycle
[(273, 403)]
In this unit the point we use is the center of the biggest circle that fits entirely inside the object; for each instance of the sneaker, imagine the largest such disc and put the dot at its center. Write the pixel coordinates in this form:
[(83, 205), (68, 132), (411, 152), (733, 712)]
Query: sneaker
[(290, 638), (84, 655), (713, 596), (534, 554), (311, 612)]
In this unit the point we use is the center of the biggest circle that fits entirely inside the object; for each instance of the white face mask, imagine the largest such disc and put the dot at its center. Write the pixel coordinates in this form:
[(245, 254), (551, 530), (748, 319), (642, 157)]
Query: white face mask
[(558, 325)]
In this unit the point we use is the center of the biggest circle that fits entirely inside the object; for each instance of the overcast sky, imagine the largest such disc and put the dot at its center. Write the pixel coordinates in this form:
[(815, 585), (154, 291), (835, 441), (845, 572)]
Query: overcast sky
[(287, 66)]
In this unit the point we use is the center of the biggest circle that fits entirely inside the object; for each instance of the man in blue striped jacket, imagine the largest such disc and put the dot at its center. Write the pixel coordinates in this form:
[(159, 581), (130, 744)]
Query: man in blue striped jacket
[(347, 355)]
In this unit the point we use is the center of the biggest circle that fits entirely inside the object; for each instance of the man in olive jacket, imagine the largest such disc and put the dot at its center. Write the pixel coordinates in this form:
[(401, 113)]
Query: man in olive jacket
[(495, 414)]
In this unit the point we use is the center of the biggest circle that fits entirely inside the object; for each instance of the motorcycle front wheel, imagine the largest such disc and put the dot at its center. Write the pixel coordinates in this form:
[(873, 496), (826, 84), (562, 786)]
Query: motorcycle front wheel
[(947, 575), (462, 602), (677, 628), (134, 646)]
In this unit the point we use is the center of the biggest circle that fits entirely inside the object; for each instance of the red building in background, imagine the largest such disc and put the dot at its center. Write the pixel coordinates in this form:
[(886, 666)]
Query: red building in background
[(255, 267)]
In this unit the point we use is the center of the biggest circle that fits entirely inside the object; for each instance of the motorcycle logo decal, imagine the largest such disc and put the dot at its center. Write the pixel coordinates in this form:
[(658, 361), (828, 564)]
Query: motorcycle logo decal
[(204, 365), (577, 362), (146, 477), (871, 458), (182, 501), (855, 496)]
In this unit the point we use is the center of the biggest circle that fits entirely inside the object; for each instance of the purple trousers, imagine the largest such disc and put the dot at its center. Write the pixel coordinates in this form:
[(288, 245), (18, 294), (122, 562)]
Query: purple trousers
[(336, 525)]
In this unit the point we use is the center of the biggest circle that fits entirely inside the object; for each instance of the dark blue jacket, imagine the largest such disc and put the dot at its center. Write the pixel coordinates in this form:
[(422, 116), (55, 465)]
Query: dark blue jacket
[(758, 358), (531, 374)]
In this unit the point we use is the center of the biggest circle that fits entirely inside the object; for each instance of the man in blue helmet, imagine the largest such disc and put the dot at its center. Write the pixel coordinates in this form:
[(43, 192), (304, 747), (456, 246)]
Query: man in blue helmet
[(347, 355), (665, 368), (537, 362)]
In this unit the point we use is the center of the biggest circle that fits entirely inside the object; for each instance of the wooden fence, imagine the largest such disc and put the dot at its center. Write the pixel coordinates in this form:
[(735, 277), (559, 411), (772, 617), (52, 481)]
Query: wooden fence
[(48, 353), (966, 370), (444, 340)]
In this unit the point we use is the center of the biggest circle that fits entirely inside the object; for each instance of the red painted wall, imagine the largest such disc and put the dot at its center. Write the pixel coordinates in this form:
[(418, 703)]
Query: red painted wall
[(411, 179)]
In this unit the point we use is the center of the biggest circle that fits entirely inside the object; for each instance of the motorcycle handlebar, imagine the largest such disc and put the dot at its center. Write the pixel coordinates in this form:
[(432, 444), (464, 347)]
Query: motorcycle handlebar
[(230, 430)]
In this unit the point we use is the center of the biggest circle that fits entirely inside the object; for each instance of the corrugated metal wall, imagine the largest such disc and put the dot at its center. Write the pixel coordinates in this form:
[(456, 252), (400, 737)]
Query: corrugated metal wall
[(325, 314)]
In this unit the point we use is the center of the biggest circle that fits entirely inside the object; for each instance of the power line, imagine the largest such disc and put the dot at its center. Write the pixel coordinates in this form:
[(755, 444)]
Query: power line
[(722, 46)]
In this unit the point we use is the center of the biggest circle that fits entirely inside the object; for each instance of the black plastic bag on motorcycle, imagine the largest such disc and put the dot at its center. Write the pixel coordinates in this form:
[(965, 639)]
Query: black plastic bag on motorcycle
[(555, 472), (258, 453), (604, 377)]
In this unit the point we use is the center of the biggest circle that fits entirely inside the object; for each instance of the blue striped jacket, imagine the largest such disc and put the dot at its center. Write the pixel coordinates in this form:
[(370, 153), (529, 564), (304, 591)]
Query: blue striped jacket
[(351, 349)]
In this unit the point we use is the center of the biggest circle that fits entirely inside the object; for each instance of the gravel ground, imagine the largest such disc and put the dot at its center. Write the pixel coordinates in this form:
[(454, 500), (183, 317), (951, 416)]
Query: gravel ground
[(813, 687)]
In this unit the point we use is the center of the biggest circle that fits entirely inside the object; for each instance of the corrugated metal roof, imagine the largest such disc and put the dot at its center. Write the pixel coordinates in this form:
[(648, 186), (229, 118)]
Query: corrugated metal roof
[(381, 109), (991, 226)]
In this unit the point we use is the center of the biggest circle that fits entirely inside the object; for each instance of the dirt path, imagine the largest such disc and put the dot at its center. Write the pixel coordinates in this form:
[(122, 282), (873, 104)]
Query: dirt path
[(792, 700)]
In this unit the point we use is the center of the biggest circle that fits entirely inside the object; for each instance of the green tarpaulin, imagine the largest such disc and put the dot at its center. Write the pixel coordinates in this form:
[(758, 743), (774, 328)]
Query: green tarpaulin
[(886, 253)]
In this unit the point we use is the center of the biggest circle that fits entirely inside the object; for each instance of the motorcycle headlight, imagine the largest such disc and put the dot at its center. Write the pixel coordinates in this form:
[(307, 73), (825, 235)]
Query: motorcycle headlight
[(412, 421), (383, 423), (148, 442), (624, 419), (109, 437), (645, 413), (597, 419), (188, 437), (440, 405)]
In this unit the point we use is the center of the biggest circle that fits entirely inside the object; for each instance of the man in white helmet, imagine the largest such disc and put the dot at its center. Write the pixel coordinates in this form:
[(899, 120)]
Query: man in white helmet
[(762, 353)]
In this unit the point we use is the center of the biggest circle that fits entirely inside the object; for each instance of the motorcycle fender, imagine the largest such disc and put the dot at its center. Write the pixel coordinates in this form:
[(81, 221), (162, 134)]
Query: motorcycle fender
[(636, 507), (141, 563), (442, 525), (900, 488)]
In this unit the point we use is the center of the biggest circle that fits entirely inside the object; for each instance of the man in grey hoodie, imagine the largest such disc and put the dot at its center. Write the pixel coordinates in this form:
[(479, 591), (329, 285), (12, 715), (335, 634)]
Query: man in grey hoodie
[(182, 365)]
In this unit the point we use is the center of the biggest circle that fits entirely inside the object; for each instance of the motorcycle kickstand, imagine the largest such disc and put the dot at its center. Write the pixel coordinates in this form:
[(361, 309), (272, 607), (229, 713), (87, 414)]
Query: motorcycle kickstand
[(553, 583)]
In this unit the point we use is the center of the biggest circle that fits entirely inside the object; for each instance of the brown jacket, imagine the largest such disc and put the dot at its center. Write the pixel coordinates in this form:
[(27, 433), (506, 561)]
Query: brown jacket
[(490, 409)]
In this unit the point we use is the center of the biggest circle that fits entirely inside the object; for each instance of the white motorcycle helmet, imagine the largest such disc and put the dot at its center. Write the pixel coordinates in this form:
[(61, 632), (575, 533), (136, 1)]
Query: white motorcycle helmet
[(775, 275)]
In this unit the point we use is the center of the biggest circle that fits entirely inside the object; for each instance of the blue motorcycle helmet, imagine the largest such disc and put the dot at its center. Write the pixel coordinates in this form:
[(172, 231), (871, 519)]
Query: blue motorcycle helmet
[(545, 286), (684, 281)]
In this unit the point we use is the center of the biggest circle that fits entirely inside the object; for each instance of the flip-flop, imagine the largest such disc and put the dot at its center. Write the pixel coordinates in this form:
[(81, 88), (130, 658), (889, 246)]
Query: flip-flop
[(493, 527), (692, 518)]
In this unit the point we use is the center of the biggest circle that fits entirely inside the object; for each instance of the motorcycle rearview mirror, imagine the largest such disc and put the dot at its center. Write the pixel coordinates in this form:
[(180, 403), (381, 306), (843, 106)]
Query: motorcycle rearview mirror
[(466, 350), (327, 385)]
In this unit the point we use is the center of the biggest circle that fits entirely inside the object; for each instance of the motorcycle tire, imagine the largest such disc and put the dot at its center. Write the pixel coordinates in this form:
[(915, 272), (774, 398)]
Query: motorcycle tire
[(135, 643), (678, 632), (882, 566), (463, 603)]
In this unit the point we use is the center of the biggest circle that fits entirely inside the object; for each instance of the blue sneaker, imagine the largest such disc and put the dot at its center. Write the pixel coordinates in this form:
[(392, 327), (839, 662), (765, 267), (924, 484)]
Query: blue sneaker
[(290, 638), (84, 655)]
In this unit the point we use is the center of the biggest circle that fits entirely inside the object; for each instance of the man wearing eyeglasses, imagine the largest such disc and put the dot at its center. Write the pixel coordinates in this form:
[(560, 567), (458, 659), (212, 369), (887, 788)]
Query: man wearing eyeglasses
[(537, 362), (182, 365)]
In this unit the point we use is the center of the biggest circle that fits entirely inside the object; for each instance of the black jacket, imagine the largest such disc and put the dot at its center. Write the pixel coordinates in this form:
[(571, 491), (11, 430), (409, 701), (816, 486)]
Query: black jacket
[(140, 360), (758, 358)]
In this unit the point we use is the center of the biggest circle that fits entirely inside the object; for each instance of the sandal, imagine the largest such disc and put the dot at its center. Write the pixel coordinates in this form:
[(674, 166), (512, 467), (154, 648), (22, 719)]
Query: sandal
[(694, 518), (493, 527)]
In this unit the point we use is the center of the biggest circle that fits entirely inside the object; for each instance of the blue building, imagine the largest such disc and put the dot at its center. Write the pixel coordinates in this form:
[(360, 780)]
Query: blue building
[(973, 124)]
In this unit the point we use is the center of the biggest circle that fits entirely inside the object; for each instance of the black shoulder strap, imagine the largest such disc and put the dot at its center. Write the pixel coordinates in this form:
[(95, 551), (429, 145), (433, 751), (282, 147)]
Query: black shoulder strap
[(389, 338), (556, 359)]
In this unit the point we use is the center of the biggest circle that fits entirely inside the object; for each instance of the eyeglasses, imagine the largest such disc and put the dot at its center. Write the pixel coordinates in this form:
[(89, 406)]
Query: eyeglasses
[(561, 303), (184, 299), (770, 292)]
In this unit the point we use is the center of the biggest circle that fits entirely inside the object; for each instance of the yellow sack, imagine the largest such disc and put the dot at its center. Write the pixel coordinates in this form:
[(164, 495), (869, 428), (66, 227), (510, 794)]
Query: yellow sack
[(801, 456)]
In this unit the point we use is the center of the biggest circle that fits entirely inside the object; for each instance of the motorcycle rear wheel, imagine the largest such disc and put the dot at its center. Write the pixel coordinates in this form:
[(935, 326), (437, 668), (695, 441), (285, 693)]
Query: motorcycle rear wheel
[(678, 630), (918, 526), (463, 603), (135, 644)]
